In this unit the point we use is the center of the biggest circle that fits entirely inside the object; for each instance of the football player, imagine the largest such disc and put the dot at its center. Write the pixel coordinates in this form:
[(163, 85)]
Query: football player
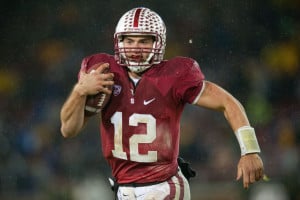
[(140, 126)]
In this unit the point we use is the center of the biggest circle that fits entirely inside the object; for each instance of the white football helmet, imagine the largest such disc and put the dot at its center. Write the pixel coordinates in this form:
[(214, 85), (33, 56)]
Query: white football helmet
[(140, 21)]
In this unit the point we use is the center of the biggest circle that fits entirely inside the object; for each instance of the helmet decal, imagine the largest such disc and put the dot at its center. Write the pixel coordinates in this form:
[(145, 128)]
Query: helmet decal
[(136, 17)]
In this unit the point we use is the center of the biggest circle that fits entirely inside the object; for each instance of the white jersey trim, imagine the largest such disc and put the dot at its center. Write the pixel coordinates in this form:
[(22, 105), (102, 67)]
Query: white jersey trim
[(200, 93)]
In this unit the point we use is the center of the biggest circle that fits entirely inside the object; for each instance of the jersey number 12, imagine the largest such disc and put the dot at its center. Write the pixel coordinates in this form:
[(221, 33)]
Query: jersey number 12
[(135, 139)]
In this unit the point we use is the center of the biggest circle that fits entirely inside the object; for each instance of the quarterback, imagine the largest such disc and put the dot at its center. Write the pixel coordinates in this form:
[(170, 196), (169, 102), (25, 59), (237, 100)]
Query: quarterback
[(140, 124)]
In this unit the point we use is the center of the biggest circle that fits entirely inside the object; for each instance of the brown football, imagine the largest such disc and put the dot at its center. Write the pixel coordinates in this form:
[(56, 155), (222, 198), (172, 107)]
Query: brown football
[(94, 103)]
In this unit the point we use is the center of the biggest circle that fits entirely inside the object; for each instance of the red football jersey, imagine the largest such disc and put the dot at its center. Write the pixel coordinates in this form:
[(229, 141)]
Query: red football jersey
[(140, 126)]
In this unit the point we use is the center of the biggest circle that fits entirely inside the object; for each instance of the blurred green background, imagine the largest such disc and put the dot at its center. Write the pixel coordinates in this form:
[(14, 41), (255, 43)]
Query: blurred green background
[(250, 47)]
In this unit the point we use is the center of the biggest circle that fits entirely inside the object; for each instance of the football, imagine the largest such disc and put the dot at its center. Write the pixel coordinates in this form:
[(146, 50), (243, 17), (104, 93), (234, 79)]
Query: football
[(94, 103)]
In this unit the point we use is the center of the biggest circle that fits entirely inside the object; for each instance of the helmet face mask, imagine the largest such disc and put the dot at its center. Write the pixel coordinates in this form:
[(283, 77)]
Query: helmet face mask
[(140, 22)]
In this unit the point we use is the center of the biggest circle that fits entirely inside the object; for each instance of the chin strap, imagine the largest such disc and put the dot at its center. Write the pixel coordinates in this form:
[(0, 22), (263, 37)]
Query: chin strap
[(247, 140)]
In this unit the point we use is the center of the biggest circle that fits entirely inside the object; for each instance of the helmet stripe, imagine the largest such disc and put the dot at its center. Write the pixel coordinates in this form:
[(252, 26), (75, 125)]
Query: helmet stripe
[(136, 17)]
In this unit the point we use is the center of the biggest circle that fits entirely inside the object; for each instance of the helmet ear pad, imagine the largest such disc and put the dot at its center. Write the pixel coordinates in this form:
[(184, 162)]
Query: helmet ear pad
[(140, 21)]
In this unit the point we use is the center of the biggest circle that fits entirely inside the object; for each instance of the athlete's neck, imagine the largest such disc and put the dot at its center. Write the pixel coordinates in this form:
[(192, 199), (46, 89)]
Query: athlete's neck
[(134, 77)]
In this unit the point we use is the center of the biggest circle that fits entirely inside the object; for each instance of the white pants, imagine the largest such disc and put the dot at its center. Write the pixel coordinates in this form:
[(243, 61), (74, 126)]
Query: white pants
[(177, 188)]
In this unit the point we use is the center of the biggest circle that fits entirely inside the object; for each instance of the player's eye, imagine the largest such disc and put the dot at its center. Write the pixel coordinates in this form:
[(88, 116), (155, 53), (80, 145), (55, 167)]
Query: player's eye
[(128, 42), (146, 41)]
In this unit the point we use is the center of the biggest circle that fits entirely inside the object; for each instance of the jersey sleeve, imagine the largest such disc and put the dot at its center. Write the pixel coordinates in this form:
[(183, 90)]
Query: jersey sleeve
[(191, 82)]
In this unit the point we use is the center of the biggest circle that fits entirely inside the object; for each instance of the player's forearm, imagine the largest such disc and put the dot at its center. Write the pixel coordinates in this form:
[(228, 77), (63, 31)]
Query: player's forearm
[(72, 113), (235, 114), (245, 134)]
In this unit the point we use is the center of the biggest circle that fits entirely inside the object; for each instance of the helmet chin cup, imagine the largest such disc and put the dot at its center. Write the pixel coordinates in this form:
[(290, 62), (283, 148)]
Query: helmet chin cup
[(138, 69), (140, 21)]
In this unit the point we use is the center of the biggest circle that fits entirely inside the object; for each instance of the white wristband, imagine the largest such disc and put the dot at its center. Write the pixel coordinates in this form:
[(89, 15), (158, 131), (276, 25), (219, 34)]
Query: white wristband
[(247, 140)]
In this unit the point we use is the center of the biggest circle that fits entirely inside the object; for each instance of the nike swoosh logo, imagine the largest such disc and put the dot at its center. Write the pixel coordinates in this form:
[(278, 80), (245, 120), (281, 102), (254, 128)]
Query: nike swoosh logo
[(149, 101)]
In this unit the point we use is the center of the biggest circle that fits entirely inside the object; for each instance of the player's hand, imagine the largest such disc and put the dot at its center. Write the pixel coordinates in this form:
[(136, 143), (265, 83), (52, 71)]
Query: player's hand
[(96, 80), (250, 167)]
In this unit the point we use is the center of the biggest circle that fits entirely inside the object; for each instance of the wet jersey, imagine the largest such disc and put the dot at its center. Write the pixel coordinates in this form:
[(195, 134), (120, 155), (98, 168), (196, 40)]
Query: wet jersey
[(140, 125)]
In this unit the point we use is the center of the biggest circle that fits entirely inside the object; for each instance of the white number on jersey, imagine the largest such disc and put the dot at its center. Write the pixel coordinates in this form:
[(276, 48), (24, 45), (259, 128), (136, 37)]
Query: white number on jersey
[(135, 139)]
